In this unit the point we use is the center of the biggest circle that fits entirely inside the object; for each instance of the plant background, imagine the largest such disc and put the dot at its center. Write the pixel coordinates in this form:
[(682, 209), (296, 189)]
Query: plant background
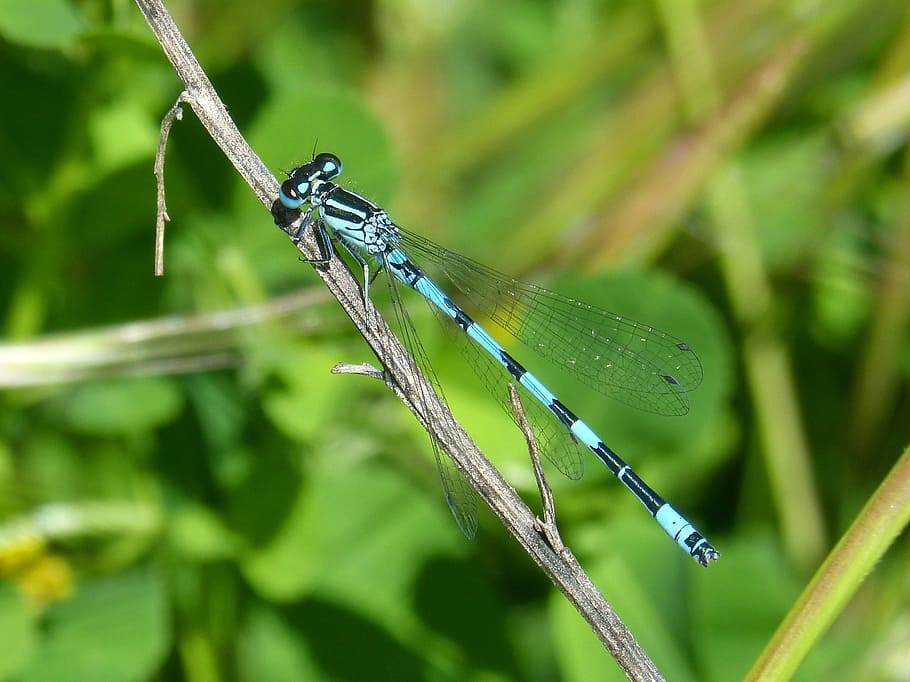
[(213, 504)]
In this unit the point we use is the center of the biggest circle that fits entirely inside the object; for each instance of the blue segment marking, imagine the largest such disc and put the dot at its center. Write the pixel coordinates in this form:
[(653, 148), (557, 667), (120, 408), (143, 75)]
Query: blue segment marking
[(648, 368)]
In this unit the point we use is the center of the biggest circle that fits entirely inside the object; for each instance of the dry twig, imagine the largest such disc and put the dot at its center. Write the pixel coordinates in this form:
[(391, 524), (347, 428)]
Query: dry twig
[(519, 520)]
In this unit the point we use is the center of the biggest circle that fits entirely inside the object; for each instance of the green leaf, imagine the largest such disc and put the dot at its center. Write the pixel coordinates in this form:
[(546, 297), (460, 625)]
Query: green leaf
[(332, 120), (39, 23), (17, 632), (310, 395), (127, 612), (120, 407), (788, 230), (642, 576), (269, 649), (200, 535), (739, 602), (123, 133), (369, 525)]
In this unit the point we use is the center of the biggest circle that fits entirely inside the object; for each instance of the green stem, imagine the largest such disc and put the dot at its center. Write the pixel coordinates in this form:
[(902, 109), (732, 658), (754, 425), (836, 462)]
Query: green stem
[(882, 519)]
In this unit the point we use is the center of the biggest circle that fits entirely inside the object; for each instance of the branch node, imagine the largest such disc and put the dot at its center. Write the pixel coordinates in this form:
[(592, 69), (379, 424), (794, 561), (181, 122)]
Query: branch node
[(363, 369), (546, 526), (174, 114)]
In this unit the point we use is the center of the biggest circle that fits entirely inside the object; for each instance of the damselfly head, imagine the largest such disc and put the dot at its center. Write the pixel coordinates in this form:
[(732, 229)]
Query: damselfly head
[(295, 191)]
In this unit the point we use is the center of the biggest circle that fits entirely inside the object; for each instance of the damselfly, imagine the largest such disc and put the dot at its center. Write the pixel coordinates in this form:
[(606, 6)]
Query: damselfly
[(619, 357)]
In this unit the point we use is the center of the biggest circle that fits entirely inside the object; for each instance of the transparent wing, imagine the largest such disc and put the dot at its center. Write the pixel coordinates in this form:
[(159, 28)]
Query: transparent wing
[(559, 446), (461, 498), (618, 357)]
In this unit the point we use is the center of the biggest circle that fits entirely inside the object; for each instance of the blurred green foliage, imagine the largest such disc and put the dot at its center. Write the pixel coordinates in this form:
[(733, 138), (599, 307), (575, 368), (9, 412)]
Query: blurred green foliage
[(197, 497)]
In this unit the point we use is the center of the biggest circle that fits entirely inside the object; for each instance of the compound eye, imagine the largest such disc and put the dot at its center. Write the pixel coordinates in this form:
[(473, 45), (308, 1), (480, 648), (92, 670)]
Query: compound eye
[(329, 165), (294, 193)]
